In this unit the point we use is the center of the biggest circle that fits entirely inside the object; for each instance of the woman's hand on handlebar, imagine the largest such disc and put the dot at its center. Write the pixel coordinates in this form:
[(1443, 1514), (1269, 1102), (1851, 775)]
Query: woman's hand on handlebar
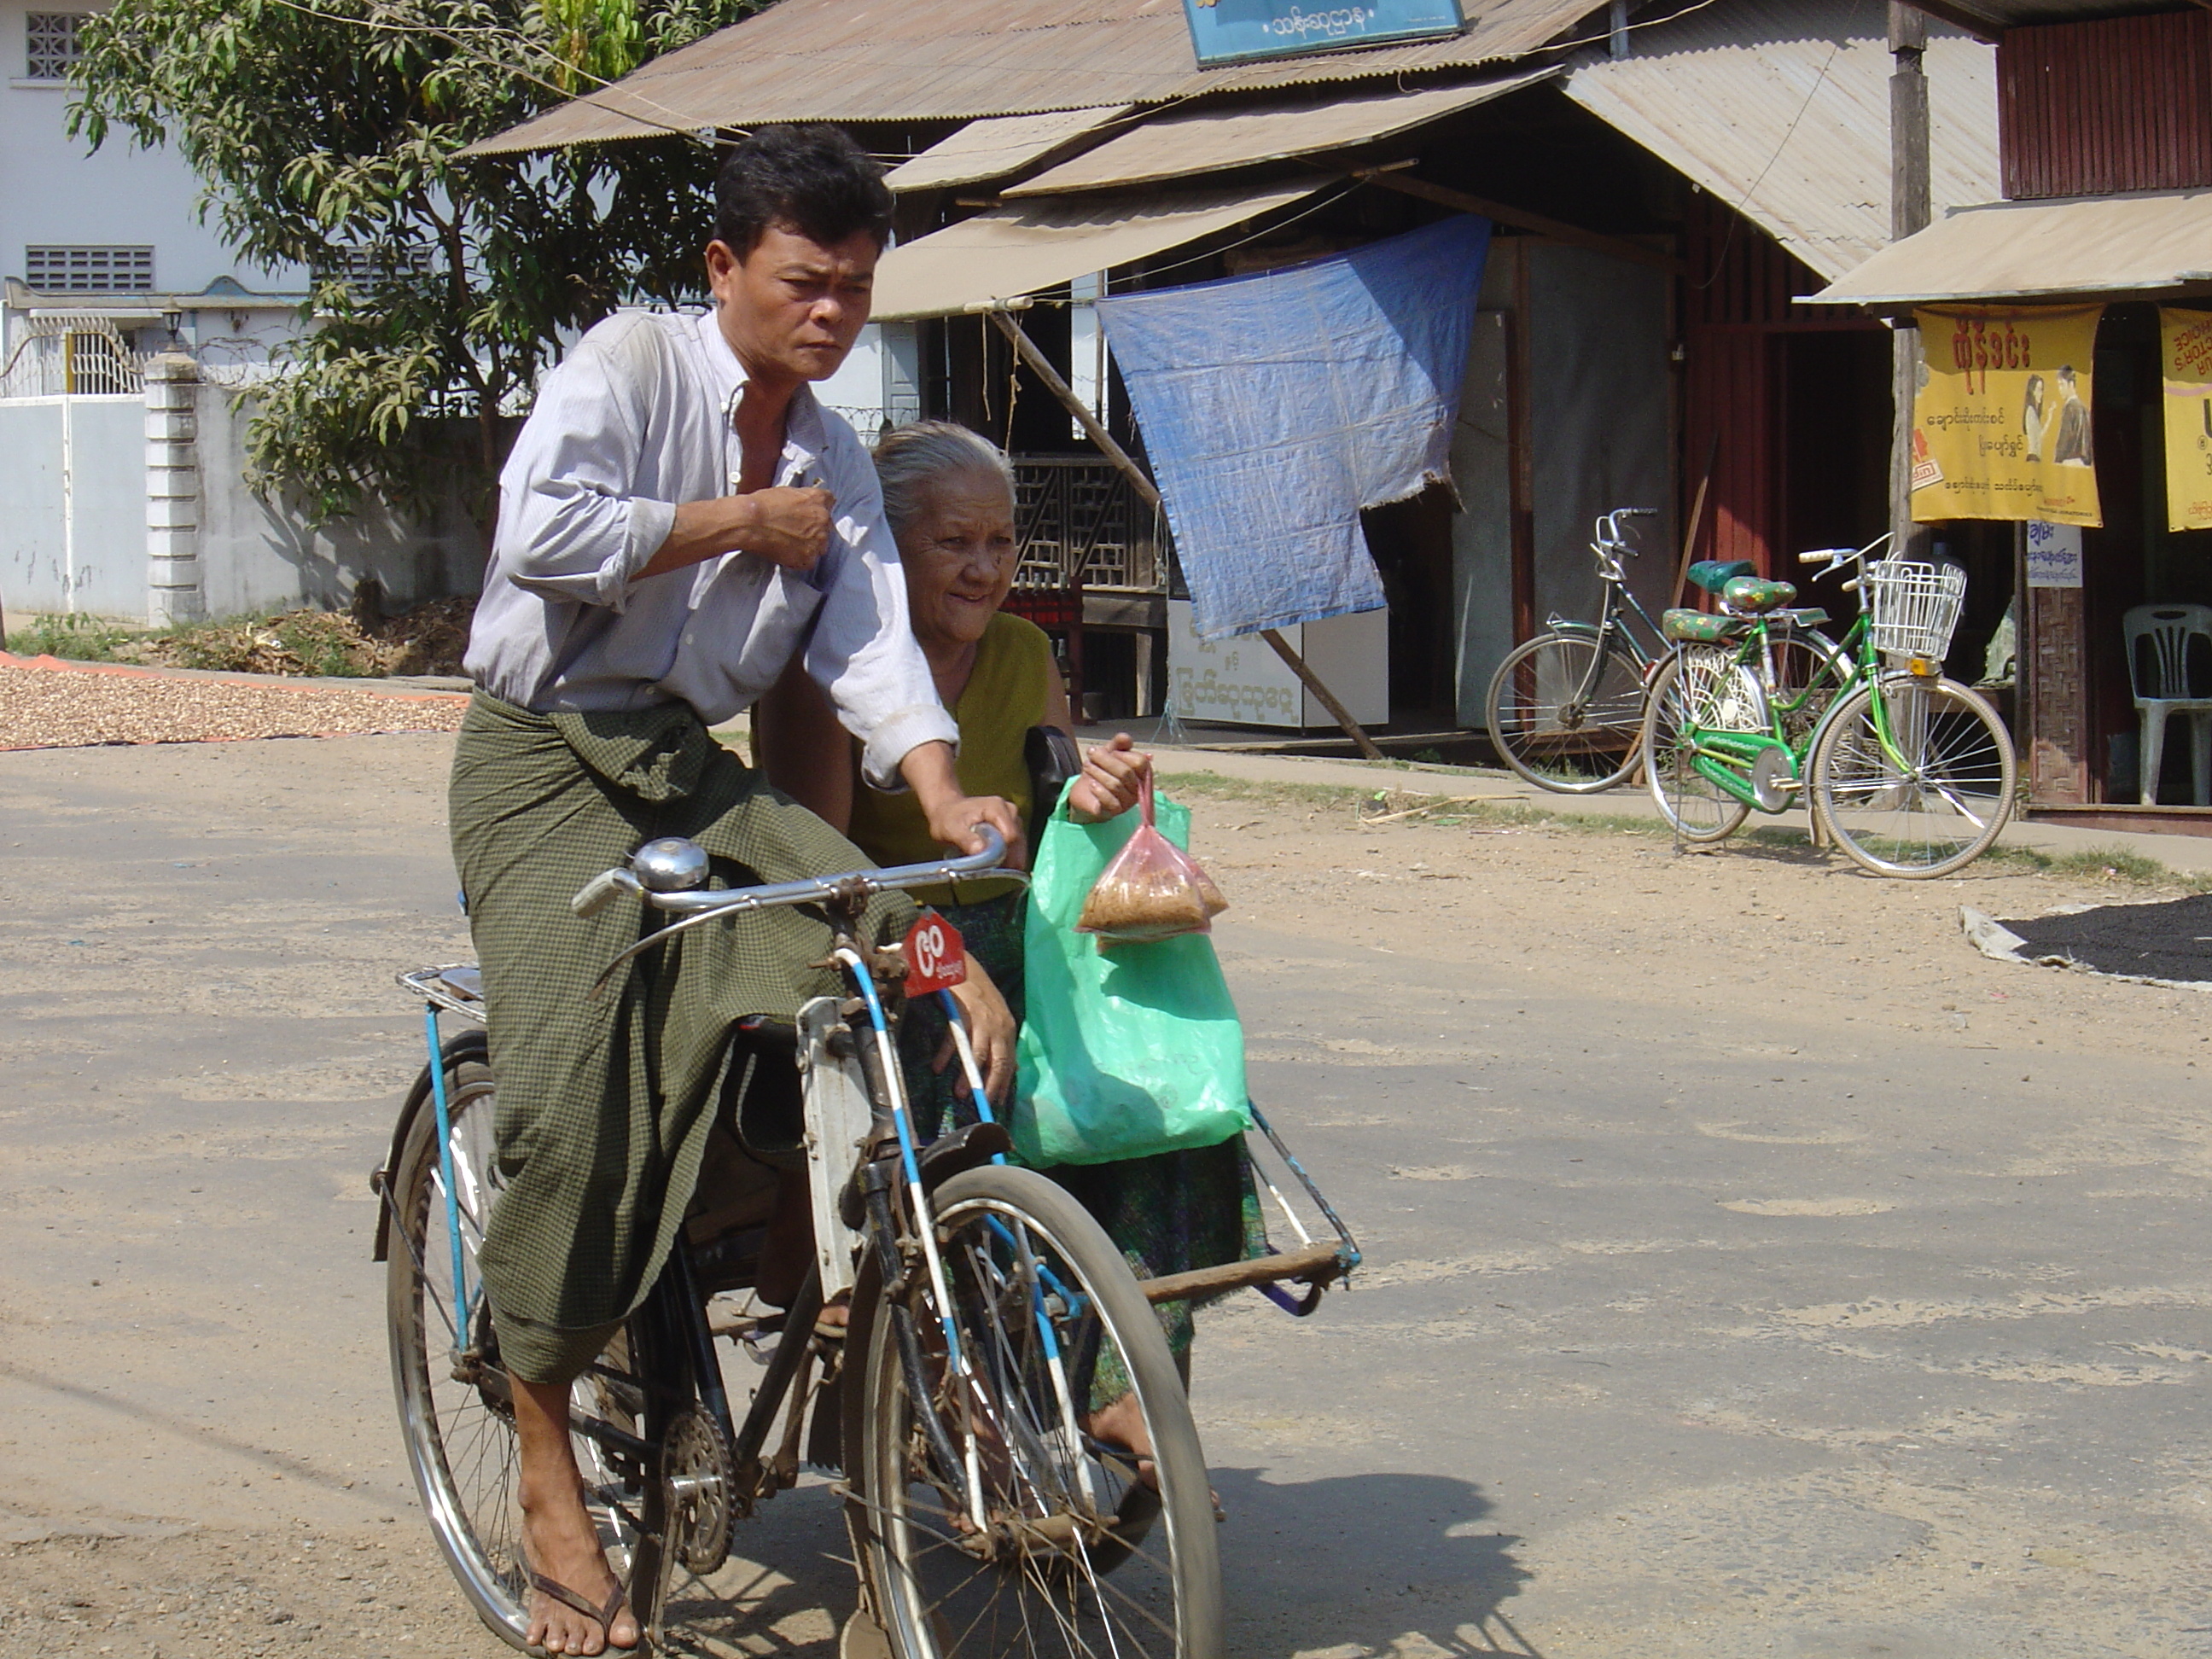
[(990, 1029), (1112, 773), (951, 813)]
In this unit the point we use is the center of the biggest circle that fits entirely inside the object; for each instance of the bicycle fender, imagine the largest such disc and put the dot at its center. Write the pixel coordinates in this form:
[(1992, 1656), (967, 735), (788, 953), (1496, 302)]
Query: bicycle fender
[(465, 1046)]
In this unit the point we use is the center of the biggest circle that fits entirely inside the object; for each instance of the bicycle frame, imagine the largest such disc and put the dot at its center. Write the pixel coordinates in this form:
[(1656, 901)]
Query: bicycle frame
[(1732, 761), (1621, 603)]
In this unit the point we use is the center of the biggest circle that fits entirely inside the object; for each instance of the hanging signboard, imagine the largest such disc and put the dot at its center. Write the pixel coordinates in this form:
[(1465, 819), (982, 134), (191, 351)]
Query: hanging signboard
[(1234, 31), (2186, 351), (2001, 427), (2054, 555)]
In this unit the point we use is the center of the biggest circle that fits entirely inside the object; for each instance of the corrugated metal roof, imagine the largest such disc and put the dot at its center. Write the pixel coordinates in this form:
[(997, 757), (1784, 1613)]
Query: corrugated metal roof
[(1015, 251), (2156, 243), (1781, 108), (1182, 144), (996, 146), (930, 60)]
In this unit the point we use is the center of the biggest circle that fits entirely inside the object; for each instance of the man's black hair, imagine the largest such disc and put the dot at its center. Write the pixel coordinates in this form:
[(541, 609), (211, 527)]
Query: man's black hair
[(813, 179)]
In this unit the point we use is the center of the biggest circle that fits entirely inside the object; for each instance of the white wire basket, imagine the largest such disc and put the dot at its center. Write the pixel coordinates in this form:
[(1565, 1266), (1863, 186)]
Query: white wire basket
[(1912, 608)]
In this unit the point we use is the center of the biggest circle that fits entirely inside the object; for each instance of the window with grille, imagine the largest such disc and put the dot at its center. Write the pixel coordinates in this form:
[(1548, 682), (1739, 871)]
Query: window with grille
[(50, 42), (89, 270), (365, 267)]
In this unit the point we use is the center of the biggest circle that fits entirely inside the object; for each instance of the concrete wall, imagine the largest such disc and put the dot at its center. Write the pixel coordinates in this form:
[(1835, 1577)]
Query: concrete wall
[(79, 543), (257, 556), (91, 547)]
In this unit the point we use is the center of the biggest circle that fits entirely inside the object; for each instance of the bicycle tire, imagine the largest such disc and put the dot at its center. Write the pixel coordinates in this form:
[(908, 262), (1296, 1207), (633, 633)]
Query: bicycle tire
[(1069, 1556), (1925, 825), (460, 1434), (1707, 687), (1547, 731)]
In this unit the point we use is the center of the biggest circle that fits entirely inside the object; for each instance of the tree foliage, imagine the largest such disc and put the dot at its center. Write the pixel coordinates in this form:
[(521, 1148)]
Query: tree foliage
[(328, 133)]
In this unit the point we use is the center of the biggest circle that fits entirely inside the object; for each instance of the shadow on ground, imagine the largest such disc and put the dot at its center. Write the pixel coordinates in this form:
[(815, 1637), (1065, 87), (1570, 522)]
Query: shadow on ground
[(1406, 1564)]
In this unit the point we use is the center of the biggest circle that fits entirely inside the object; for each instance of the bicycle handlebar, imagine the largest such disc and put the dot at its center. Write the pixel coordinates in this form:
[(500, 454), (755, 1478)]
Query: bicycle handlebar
[(603, 889), (1609, 544), (667, 860), (1832, 556)]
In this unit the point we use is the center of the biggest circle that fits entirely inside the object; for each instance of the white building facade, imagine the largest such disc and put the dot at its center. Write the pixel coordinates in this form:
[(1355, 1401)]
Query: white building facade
[(114, 236)]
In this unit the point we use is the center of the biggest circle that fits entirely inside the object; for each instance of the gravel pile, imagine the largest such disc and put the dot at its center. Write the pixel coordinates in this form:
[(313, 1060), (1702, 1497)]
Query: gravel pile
[(65, 708)]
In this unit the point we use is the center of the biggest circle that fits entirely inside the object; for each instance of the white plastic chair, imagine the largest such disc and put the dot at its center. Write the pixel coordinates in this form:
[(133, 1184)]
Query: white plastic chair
[(2160, 678)]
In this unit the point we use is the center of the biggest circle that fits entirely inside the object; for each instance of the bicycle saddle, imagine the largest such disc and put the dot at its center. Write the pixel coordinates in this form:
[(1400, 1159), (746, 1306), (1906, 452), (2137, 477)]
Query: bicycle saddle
[(1702, 628), (1756, 597), (1714, 575)]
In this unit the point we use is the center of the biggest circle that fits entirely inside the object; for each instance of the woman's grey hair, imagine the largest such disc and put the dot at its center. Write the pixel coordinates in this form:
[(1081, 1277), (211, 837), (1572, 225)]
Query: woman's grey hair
[(908, 458)]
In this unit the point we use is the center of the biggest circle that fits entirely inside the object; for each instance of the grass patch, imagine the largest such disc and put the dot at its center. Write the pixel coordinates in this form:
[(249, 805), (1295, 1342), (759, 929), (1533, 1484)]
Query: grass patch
[(2102, 864), (329, 644), (76, 639)]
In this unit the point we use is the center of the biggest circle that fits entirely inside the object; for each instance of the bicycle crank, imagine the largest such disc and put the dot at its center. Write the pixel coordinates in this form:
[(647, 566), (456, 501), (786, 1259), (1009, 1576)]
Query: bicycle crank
[(697, 1463), (1774, 779)]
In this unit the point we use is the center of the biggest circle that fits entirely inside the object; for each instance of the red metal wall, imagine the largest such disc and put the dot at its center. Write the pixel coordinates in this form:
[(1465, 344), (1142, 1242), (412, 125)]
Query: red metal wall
[(2122, 103), (1736, 300)]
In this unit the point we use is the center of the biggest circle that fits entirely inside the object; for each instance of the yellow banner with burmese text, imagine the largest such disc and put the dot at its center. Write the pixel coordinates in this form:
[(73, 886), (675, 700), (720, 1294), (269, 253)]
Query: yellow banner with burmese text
[(2000, 426), (2184, 339)]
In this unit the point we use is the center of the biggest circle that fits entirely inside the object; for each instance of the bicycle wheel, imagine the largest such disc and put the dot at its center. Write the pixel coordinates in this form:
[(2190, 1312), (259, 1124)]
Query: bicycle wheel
[(1562, 715), (1931, 801), (1075, 1555), (1693, 689), (455, 1408)]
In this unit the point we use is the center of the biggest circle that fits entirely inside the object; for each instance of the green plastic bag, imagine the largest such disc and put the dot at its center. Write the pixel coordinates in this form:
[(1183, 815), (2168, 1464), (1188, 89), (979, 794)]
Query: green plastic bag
[(1126, 1051)]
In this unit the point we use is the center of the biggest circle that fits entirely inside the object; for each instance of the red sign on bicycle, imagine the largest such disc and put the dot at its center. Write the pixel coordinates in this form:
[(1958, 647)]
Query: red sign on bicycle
[(936, 956)]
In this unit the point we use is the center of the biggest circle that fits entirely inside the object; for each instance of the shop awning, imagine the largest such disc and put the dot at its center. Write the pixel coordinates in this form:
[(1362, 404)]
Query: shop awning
[(1185, 144), (995, 147), (1020, 250), (1789, 126), (2152, 244)]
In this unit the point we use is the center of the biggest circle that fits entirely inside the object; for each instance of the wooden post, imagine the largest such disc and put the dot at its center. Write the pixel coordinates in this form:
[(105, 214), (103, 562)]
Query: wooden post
[(1149, 492), (1325, 697), (1041, 367), (1910, 209), (1697, 523)]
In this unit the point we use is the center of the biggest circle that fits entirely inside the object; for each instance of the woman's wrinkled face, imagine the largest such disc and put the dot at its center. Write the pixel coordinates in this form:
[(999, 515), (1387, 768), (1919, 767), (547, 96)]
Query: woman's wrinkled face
[(959, 554)]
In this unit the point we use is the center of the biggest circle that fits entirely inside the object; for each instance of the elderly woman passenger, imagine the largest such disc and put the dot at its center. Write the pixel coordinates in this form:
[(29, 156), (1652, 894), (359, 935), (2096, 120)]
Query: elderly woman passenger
[(949, 498)]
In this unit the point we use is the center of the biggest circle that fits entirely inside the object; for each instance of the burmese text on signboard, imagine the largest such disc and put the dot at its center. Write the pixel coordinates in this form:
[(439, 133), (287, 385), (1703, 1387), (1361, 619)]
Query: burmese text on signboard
[(2001, 427)]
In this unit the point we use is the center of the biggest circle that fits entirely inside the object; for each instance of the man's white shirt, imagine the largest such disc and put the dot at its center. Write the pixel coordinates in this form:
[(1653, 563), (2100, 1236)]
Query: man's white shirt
[(636, 422)]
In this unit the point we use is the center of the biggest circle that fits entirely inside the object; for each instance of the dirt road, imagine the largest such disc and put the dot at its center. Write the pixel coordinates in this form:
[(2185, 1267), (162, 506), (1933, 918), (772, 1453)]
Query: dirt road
[(1755, 1269)]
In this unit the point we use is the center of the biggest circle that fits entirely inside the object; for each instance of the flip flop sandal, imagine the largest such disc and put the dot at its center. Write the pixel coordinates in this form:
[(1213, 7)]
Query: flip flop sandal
[(560, 1593), (1137, 1466)]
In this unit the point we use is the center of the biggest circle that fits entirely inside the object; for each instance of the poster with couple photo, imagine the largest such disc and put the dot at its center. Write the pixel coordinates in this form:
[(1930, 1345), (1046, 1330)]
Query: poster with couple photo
[(2001, 427)]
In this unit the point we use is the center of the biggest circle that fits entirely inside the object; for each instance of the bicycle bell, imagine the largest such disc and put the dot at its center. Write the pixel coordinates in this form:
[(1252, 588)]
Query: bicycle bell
[(670, 864)]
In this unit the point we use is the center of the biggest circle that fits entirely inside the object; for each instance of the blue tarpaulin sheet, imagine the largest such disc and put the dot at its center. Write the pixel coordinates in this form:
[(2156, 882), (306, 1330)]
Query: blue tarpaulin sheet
[(1276, 405)]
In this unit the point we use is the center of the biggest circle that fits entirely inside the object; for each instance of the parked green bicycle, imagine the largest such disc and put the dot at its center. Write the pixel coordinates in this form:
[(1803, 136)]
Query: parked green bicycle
[(1910, 773)]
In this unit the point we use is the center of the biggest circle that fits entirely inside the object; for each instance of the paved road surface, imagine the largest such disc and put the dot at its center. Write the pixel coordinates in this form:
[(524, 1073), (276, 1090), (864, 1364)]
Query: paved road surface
[(1755, 1269)]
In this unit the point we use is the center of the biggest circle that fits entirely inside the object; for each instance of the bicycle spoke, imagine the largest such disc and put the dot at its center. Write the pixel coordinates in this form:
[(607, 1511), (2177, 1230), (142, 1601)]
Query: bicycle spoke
[(1054, 1571)]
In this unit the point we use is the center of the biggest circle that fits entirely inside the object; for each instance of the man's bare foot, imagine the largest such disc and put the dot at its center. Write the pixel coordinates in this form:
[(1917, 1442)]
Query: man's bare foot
[(1121, 1423), (558, 1539)]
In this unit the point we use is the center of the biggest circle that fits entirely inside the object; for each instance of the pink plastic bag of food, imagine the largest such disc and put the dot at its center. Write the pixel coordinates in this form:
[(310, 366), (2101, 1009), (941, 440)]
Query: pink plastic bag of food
[(1152, 889)]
